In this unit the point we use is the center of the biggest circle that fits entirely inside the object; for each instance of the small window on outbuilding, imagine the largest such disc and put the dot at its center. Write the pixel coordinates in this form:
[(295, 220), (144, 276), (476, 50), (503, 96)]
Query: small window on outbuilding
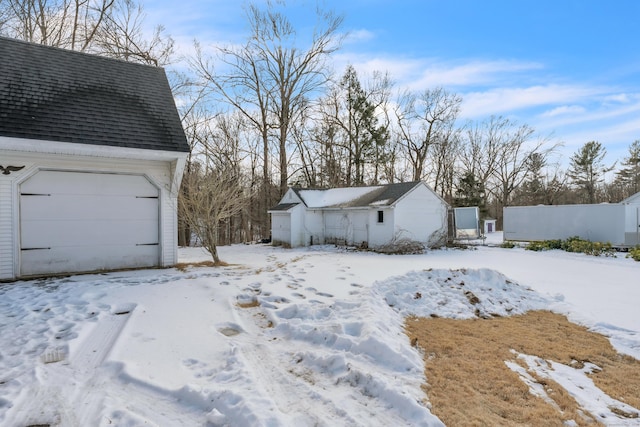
[(380, 217)]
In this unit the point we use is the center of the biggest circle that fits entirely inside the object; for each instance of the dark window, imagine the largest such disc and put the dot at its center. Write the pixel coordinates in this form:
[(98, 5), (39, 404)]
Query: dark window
[(380, 216)]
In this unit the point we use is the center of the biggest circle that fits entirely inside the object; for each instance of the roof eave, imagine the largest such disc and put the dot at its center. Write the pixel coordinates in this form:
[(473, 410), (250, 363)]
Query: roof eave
[(35, 146)]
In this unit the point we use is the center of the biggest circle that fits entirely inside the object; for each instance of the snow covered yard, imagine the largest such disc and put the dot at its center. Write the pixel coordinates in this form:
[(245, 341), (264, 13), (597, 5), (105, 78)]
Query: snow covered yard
[(299, 337)]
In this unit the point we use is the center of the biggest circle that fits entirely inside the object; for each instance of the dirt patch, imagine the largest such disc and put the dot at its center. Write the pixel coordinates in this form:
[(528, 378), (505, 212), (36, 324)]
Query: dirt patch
[(470, 384), (249, 304)]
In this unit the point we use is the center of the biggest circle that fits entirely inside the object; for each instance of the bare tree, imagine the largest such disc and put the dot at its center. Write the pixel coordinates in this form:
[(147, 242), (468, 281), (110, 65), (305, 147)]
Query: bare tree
[(209, 197), (70, 24), (292, 73), (425, 120), (121, 36), (517, 153), (497, 153), (105, 27), (242, 87), (270, 77), (444, 159)]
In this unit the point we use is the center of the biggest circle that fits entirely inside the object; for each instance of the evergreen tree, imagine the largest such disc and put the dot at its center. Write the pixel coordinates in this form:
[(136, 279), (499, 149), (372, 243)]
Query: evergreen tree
[(629, 175), (587, 169), (470, 192), (532, 191), (364, 135)]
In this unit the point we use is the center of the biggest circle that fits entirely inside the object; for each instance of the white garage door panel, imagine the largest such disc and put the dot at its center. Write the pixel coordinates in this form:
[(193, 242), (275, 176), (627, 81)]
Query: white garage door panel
[(86, 233), (62, 260), (74, 207), (73, 222), (105, 184)]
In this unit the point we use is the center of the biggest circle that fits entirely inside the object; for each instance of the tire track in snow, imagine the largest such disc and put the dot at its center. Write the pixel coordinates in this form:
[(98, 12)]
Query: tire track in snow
[(307, 397), (43, 403)]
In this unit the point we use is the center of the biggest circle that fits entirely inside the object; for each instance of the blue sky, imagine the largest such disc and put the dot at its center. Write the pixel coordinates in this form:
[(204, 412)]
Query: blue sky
[(568, 68)]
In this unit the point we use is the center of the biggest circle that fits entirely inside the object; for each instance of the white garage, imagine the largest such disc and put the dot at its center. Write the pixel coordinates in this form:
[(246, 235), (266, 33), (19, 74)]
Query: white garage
[(72, 221), (92, 152)]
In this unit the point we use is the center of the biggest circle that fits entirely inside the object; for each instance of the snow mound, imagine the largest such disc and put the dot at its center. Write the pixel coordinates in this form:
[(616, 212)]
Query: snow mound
[(458, 294)]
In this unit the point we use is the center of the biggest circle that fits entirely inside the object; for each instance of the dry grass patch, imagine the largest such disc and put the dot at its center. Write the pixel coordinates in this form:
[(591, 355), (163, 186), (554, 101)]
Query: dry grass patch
[(469, 383), (182, 266)]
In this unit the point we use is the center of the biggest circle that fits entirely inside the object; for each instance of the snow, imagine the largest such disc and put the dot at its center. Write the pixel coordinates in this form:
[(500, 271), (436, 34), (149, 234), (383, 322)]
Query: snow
[(285, 337), (333, 196)]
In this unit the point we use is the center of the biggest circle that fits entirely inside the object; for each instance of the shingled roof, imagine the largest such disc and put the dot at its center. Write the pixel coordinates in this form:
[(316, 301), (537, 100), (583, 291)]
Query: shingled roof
[(355, 197), (54, 94)]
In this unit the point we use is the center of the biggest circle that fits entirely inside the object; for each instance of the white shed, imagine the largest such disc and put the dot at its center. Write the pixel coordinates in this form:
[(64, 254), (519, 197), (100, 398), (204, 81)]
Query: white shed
[(616, 223), (361, 216), (91, 158)]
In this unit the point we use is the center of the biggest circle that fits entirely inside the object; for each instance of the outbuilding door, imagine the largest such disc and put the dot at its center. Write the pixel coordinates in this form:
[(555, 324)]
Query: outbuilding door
[(77, 221), (281, 228)]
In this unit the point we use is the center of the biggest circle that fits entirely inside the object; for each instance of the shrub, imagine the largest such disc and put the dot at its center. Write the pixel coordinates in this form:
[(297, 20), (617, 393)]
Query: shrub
[(574, 244), (634, 253), (401, 247), (545, 245), (508, 244)]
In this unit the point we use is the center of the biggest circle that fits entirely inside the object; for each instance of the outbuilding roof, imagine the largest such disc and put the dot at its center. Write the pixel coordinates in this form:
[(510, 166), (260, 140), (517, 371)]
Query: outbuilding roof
[(354, 197), (283, 207), (53, 94)]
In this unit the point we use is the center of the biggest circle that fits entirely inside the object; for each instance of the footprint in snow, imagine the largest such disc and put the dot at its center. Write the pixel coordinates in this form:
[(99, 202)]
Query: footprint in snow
[(297, 295), (356, 285), (324, 294), (276, 298)]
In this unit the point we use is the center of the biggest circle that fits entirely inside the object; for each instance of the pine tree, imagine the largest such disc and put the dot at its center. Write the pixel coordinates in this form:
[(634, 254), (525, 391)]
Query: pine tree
[(629, 175), (587, 169), (470, 192), (364, 135)]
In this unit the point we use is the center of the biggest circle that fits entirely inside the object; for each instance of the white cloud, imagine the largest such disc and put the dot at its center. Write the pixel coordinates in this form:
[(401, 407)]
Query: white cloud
[(424, 73), (618, 98), (501, 100), (472, 73), (357, 36), (563, 111)]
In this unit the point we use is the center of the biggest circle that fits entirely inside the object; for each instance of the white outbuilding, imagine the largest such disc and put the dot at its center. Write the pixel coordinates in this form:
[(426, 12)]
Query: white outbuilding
[(360, 216), (615, 223), (91, 158)]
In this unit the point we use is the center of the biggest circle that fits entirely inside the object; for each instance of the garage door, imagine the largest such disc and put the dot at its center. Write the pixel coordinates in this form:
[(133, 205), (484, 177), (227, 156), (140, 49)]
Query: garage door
[(74, 222)]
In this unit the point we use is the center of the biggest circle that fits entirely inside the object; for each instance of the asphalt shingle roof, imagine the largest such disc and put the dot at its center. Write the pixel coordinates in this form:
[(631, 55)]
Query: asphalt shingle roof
[(283, 206), (54, 94), (380, 195), (387, 195)]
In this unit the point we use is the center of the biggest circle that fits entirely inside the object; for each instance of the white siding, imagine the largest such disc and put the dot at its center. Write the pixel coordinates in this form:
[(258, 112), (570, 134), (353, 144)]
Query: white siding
[(381, 233), (348, 226), (314, 227), (632, 223), (421, 216), (598, 223), (6, 228)]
